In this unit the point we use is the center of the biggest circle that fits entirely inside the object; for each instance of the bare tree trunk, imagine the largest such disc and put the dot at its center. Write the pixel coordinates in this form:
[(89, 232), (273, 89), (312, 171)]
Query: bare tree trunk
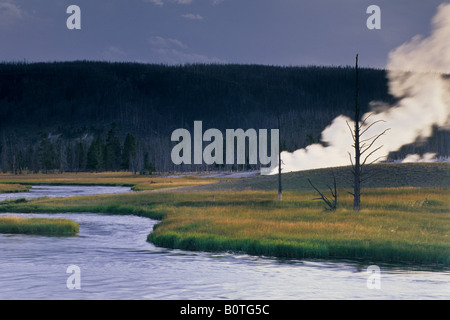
[(280, 194), (361, 147), (357, 166)]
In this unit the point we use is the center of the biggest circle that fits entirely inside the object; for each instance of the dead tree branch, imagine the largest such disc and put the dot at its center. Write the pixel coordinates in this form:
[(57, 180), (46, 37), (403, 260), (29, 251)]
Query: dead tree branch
[(331, 204)]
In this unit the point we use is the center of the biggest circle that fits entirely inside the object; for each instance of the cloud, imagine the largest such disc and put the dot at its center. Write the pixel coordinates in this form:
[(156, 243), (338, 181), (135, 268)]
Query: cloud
[(9, 12), (161, 42), (173, 51), (191, 16), (113, 53), (174, 56), (216, 2), (155, 2), (161, 3)]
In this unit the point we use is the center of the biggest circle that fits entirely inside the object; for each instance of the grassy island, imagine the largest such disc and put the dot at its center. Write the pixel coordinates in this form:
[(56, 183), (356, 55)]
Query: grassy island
[(38, 226)]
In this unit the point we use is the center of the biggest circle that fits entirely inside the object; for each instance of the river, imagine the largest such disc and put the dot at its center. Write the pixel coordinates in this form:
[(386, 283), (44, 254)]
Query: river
[(116, 262), (63, 191)]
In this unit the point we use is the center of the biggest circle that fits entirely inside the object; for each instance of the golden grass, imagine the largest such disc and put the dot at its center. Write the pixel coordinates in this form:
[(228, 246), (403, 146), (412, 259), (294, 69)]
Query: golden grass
[(138, 182), (40, 226), (13, 188), (411, 228), (173, 182), (395, 224)]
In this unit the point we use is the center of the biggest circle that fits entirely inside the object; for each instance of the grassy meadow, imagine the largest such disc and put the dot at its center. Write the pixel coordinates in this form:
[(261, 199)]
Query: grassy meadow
[(39, 226), (401, 225), (383, 175), (13, 188), (397, 223), (136, 182)]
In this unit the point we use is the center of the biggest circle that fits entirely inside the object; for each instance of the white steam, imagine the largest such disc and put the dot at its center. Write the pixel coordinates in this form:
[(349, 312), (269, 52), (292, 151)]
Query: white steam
[(427, 157), (415, 78)]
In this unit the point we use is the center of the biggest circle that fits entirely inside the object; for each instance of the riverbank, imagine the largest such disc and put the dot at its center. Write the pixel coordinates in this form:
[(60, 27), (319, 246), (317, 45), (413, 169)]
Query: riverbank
[(38, 226), (14, 188), (404, 217), (136, 182), (399, 225)]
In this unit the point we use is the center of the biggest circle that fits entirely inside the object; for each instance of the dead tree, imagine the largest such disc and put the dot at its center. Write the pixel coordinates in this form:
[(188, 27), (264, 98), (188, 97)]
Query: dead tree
[(362, 147), (280, 194), (331, 204)]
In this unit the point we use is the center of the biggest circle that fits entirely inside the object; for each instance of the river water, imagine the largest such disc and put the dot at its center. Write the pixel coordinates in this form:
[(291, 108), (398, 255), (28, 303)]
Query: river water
[(116, 262), (62, 191)]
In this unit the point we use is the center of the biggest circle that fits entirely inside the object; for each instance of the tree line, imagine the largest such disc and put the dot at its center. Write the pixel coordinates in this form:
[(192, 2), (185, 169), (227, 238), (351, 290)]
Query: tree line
[(53, 154), (60, 116)]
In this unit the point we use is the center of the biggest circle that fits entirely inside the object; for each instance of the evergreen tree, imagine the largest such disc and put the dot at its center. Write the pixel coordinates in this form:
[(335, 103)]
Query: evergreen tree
[(113, 150), (33, 159), (79, 156), (63, 156), (46, 154), (4, 157), (95, 155), (149, 167), (129, 153)]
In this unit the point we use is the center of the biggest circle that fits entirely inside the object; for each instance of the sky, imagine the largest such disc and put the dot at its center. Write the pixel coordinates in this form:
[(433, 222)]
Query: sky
[(268, 32)]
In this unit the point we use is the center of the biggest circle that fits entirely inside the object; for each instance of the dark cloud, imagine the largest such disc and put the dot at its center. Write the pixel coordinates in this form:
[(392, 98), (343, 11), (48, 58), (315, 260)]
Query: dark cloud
[(275, 32)]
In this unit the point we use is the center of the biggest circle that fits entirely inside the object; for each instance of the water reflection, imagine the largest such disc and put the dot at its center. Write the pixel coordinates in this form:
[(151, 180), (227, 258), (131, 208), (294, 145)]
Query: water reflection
[(63, 191), (117, 262)]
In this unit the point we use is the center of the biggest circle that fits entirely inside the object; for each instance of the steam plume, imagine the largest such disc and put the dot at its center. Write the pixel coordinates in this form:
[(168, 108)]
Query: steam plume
[(415, 78)]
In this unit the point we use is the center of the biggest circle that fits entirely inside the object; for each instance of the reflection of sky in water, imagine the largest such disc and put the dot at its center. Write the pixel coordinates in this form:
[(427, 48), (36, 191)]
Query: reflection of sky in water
[(62, 191), (117, 262)]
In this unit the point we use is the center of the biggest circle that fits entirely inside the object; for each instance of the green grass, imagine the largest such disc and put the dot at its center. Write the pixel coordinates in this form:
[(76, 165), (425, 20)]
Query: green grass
[(136, 182), (404, 218), (13, 188), (38, 226), (402, 225)]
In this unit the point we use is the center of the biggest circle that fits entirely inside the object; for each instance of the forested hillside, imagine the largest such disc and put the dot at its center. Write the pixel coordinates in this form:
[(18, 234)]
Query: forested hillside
[(95, 116)]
